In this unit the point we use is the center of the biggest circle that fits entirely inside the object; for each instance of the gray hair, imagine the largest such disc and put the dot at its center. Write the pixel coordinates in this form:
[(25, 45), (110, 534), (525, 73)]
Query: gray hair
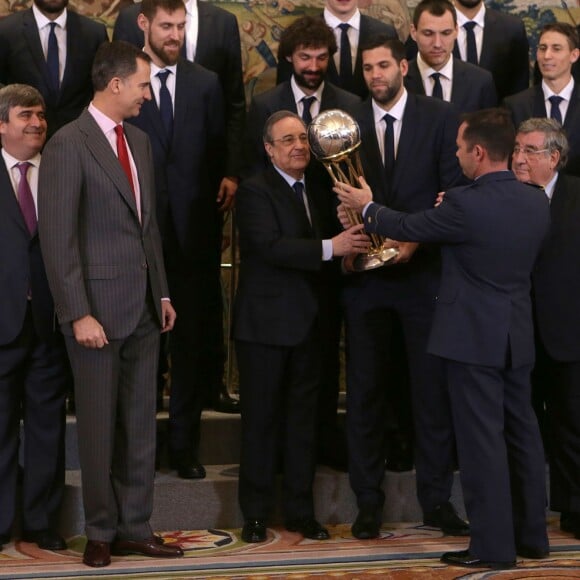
[(554, 136), (275, 118), (17, 95)]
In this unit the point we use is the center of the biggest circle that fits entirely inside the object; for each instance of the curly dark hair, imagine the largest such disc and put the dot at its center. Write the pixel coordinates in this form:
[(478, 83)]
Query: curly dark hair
[(308, 32)]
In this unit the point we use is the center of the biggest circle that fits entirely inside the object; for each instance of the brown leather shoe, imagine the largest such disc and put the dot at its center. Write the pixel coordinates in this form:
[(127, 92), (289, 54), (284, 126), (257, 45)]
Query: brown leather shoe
[(97, 554), (148, 547)]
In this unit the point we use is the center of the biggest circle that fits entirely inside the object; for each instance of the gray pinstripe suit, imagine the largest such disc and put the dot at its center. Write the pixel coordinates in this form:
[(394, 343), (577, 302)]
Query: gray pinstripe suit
[(102, 261)]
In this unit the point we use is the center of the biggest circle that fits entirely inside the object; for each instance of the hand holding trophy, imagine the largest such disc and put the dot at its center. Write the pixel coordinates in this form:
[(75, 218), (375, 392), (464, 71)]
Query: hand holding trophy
[(334, 139)]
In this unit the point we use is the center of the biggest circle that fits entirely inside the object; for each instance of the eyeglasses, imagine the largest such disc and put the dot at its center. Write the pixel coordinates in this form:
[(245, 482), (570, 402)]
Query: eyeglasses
[(291, 139), (528, 151)]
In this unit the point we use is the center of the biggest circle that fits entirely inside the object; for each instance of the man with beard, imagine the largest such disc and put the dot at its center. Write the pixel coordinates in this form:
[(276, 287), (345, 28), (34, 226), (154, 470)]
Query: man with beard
[(52, 49), (495, 41), (408, 156), (308, 45), (185, 123), (435, 71)]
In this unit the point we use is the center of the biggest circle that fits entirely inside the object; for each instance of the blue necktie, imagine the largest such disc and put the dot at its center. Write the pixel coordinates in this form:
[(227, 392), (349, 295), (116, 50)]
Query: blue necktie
[(389, 148), (470, 41), (306, 104), (437, 88), (165, 103), (555, 112), (52, 59), (345, 72)]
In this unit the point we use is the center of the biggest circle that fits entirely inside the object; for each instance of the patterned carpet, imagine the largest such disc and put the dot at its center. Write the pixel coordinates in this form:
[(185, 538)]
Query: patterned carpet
[(403, 552)]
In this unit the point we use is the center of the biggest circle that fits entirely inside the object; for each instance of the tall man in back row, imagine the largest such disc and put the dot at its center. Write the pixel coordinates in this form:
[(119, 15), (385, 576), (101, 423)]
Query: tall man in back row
[(482, 332), (104, 264)]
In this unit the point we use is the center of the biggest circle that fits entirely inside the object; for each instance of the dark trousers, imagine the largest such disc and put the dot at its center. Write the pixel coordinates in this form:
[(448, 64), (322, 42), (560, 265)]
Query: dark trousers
[(116, 422), (34, 378), (278, 391), (370, 310), (501, 459)]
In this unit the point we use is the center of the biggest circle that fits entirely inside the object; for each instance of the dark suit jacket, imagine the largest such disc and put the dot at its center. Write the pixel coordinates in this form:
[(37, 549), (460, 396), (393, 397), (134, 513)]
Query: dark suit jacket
[(101, 259), (219, 50), (556, 277), (491, 233), (22, 61), (188, 168), (21, 271), (472, 87), (369, 27), (505, 52), (530, 103), (277, 298)]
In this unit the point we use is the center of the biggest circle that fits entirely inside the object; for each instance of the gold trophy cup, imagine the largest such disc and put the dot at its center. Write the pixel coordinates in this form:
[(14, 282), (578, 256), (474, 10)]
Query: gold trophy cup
[(334, 139)]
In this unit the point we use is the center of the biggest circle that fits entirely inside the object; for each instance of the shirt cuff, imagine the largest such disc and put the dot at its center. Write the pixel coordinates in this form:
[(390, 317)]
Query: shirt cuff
[(326, 250), (364, 211)]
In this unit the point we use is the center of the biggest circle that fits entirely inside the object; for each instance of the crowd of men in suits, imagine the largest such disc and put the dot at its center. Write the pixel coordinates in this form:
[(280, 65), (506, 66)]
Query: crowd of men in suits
[(120, 224)]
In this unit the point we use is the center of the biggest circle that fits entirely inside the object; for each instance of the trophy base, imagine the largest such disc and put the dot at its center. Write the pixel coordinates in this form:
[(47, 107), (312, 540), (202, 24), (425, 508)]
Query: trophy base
[(374, 260)]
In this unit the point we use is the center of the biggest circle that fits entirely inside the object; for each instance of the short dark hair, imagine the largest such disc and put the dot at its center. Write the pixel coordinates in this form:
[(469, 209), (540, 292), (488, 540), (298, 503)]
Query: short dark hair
[(17, 95), (493, 129), (275, 118), (434, 7), (564, 28), (149, 7), (396, 47), (115, 59), (308, 32)]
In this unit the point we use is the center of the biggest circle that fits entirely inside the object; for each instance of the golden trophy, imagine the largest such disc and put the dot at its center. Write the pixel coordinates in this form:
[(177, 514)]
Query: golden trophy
[(334, 139)]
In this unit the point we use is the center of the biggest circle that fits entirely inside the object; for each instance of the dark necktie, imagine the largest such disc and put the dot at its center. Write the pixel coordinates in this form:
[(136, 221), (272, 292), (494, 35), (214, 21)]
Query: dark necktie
[(345, 72), (437, 88), (389, 148), (470, 42), (555, 112), (165, 103), (306, 104), (298, 188), (123, 155), (25, 199), (52, 59)]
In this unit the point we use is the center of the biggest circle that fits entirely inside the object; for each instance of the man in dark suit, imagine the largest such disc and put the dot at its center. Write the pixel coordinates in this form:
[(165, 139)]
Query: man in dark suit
[(212, 40), (51, 48), (495, 41), (482, 333), (351, 30), (308, 45), (558, 96), (185, 123), (277, 331), (435, 72), (539, 157), (104, 264), (33, 367), (408, 155)]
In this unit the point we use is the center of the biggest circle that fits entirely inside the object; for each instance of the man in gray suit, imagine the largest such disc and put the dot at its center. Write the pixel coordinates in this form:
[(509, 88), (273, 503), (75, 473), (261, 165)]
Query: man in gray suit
[(102, 249)]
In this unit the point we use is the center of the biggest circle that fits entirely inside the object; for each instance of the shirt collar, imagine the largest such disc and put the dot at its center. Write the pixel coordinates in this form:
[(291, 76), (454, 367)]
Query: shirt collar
[(549, 187), (396, 111), (105, 123), (427, 71), (565, 93), (12, 161), (288, 178), (42, 20), (334, 22), (191, 6), (479, 18), (155, 69), (299, 94)]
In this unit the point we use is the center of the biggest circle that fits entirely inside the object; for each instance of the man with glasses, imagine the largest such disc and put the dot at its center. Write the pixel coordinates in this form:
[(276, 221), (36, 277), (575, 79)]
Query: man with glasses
[(539, 157), (276, 328)]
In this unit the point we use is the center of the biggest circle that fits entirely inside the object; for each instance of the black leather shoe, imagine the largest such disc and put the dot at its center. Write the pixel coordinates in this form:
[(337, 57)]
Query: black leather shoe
[(570, 522), (225, 403), (254, 531), (532, 553), (367, 524), (45, 539), (148, 547), (466, 560), (187, 468), (309, 528), (445, 517), (97, 554)]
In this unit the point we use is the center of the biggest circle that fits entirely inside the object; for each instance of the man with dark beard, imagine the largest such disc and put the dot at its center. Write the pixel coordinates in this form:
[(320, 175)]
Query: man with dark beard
[(185, 122), (408, 155), (52, 49)]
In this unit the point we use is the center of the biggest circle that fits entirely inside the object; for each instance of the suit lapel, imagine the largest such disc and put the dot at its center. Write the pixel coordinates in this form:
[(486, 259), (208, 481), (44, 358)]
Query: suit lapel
[(413, 80), (458, 84), (73, 41), (139, 156), (205, 33), (285, 98), (180, 106), (538, 103), (8, 202), (488, 40), (287, 199), (328, 99), (411, 119), (573, 113), (30, 31)]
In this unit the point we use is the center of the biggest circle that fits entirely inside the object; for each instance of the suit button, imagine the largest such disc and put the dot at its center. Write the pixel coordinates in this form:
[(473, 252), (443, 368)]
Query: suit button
[(144, 265)]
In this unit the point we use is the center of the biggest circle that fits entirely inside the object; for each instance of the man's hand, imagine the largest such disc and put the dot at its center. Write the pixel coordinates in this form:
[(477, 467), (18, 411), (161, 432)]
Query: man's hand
[(168, 315), (406, 251), (351, 241), (353, 197), (89, 333), (226, 194), (342, 212), (439, 199)]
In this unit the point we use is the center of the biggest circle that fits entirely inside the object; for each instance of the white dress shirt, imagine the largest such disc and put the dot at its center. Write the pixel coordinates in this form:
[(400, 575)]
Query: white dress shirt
[(478, 31), (299, 94), (43, 24), (396, 111), (14, 173), (353, 34), (191, 29), (170, 83), (446, 78), (565, 93)]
